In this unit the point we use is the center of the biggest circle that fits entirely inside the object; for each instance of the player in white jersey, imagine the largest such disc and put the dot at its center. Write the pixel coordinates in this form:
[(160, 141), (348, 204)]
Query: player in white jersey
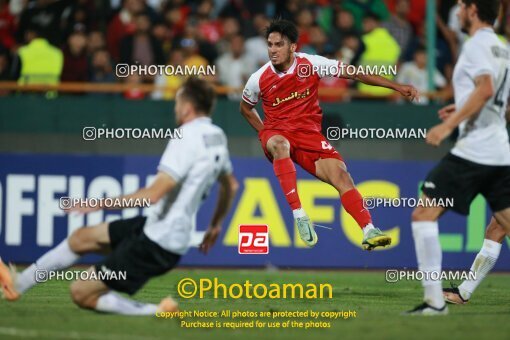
[(486, 257), (146, 247), (480, 161)]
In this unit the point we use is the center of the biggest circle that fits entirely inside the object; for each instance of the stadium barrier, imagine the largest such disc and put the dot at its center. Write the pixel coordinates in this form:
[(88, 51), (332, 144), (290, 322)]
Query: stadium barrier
[(70, 114), (31, 221), (81, 87)]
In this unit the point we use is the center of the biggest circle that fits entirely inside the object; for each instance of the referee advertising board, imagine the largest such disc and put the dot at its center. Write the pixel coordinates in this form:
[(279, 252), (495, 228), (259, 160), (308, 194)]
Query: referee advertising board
[(38, 223)]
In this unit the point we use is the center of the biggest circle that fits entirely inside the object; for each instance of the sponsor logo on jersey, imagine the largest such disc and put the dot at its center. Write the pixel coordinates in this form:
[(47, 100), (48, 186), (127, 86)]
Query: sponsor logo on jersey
[(292, 95)]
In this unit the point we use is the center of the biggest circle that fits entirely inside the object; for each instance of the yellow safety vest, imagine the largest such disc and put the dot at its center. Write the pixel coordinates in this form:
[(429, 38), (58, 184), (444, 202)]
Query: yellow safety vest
[(41, 63), (381, 49)]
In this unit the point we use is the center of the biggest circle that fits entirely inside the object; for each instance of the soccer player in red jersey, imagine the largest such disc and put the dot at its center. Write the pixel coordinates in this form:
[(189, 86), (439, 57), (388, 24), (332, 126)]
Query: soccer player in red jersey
[(291, 130)]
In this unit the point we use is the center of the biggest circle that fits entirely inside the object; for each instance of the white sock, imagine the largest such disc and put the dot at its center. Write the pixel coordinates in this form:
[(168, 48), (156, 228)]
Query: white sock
[(60, 257), (483, 264), (367, 228), (114, 303), (429, 256), (298, 213)]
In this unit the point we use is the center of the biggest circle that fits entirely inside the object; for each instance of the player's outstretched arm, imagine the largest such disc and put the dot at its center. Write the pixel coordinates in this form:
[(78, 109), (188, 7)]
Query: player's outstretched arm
[(252, 116), (484, 90), (227, 192), (407, 91), (162, 184)]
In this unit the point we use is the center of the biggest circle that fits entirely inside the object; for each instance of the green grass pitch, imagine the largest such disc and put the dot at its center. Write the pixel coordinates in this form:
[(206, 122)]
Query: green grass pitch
[(46, 311)]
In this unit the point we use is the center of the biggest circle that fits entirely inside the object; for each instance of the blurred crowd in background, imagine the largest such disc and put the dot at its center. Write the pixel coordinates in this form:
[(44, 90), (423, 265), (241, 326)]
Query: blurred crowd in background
[(83, 40)]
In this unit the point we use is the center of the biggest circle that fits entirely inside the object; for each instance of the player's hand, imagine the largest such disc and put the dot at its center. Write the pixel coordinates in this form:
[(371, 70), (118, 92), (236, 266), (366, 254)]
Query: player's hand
[(210, 237), (446, 112), (408, 91), (438, 133)]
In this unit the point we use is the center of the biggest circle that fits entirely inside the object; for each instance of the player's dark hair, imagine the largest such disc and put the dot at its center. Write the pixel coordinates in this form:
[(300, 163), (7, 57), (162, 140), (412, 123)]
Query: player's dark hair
[(285, 27), (488, 10), (200, 94)]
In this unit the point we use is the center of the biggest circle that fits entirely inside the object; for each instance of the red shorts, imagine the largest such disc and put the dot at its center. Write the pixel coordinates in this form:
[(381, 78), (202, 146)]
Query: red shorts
[(306, 147)]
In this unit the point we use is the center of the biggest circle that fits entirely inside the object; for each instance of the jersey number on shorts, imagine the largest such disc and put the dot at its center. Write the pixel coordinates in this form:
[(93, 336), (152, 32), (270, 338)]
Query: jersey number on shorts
[(326, 145)]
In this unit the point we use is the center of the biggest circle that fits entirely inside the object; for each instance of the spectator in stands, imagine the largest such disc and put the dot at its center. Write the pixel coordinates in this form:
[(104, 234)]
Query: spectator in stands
[(398, 26), (447, 47), (193, 32), (445, 58), (95, 41), (175, 17), (75, 58), (47, 16), (344, 25), (351, 49), (324, 13), (235, 67), (361, 8), (191, 55), (5, 71), (208, 28), (242, 10), (162, 33), (122, 25), (141, 47), (304, 22), (80, 17), (7, 26), (416, 15), (256, 46), (194, 44), (38, 61), (230, 28), (380, 49), (287, 9), (454, 25), (5, 63), (319, 43), (156, 5), (16, 7), (101, 69), (415, 73), (171, 82)]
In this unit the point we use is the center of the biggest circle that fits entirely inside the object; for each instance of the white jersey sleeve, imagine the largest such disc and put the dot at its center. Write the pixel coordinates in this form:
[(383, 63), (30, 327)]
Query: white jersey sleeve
[(323, 66), (177, 159), (478, 61), (251, 92), (483, 138), (227, 167)]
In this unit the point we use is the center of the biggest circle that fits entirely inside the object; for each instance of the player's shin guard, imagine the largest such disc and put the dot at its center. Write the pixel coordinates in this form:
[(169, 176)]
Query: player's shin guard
[(483, 264), (286, 172), (352, 201), (429, 256)]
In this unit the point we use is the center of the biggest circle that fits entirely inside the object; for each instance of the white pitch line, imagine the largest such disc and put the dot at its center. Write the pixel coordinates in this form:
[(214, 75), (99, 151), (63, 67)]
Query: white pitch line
[(34, 333)]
